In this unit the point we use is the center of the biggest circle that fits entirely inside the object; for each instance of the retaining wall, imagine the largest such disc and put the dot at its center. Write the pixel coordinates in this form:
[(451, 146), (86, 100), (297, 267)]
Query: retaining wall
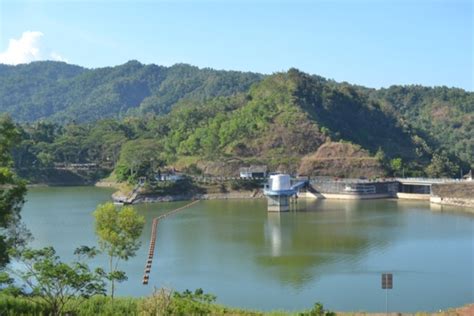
[(352, 189), (413, 196)]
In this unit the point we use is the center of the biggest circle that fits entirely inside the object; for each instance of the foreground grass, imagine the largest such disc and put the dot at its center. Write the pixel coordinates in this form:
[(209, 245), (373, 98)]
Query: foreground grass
[(157, 304), (166, 303)]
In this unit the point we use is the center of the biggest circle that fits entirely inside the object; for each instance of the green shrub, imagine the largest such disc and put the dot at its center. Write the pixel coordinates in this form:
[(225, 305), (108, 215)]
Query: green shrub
[(10, 305), (193, 169), (245, 184), (105, 306), (222, 188), (318, 310), (166, 302)]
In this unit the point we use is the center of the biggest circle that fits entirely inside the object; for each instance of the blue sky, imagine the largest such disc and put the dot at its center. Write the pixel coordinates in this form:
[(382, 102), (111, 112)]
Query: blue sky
[(367, 42)]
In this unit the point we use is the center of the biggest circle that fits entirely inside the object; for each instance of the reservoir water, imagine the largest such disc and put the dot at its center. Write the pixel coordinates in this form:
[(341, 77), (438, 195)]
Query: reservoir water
[(328, 251)]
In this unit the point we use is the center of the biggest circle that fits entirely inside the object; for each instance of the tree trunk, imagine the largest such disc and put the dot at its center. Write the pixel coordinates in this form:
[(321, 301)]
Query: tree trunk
[(112, 281), (113, 289)]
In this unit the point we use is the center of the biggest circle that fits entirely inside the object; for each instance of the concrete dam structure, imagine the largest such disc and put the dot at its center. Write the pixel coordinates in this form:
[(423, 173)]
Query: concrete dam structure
[(350, 189), (281, 188)]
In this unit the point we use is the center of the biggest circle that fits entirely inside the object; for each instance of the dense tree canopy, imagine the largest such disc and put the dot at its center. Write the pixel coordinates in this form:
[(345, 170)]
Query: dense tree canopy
[(12, 191), (67, 93), (181, 115)]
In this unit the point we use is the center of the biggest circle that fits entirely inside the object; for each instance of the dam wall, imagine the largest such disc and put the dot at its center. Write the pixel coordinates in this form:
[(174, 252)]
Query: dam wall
[(456, 194), (351, 189)]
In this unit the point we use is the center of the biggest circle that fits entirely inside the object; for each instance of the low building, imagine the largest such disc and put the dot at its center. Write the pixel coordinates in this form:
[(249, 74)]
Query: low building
[(169, 177), (253, 172)]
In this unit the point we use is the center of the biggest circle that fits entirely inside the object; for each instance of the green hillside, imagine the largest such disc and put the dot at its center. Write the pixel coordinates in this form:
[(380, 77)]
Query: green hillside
[(289, 121), (64, 93), (215, 121), (444, 115), (282, 118)]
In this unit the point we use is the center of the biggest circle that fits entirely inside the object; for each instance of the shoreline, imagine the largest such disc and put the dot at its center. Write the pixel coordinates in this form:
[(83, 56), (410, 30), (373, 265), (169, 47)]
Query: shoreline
[(107, 184), (465, 205), (456, 202), (436, 207)]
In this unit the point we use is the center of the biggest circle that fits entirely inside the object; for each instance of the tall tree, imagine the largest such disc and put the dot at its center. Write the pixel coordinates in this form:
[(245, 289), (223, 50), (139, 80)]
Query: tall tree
[(57, 283), (118, 231), (12, 191)]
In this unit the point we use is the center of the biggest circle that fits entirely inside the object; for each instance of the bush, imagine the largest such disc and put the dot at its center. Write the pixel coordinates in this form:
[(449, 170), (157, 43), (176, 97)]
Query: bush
[(157, 304), (95, 305), (105, 306), (193, 169), (245, 184), (318, 310), (166, 302), (10, 305), (222, 188)]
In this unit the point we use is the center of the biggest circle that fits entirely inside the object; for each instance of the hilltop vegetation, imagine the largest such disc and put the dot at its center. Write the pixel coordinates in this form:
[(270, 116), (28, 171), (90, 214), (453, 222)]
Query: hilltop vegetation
[(64, 93), (136, 118), (445, 116)]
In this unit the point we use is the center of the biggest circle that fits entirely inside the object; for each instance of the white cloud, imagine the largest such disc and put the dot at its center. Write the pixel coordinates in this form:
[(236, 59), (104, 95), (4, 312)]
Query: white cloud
[(57, 57), (26, 49)]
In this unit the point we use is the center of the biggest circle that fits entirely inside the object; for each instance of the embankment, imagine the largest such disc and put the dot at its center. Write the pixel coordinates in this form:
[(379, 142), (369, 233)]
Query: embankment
[(456, 194), (459, 194)]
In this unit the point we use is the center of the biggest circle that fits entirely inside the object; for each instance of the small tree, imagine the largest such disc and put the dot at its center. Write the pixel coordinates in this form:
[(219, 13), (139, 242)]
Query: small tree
[(57, 283), (396, 165), (380, 156), (441, 166), (118, 231)]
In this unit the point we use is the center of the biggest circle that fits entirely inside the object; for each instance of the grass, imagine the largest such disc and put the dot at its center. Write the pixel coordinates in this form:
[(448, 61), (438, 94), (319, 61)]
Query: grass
[(162, 302), (165, 302)]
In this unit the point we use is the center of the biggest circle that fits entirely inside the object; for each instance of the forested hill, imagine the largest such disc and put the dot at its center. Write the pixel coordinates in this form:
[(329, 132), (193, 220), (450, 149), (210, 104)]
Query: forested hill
[(63, 93), (289, 121), (445, 115)]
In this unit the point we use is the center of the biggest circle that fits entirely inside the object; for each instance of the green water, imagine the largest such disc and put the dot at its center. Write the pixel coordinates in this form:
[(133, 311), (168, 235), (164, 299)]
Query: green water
[(327, 251)]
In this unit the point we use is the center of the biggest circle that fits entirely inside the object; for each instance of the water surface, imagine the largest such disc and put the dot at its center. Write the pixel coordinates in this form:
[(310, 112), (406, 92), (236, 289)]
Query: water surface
[(327, 251)]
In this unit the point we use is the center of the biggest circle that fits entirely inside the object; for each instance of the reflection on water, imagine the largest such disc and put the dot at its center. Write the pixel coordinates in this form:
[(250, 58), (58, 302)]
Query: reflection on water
[(300, 246), (273, 233), (328, 251)]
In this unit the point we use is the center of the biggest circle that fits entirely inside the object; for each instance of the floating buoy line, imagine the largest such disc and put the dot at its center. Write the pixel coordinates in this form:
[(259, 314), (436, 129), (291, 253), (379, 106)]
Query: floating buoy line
[(154, 228)]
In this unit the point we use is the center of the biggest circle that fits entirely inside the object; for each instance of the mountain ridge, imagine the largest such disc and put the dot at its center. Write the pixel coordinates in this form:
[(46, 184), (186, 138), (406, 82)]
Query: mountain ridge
[(277, 119), (36, 80), (92, 94)]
